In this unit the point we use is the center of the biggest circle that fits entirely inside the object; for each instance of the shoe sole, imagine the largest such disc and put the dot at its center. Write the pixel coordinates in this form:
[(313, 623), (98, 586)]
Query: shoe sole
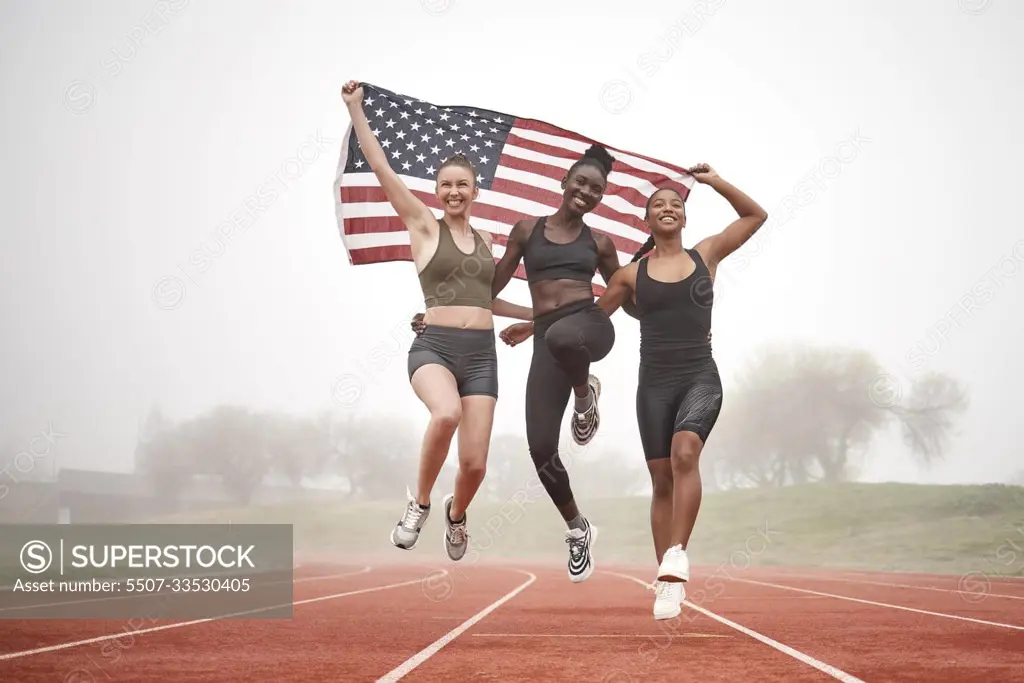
[(444, 537), (590, 569), (673, 615), (403, 547)]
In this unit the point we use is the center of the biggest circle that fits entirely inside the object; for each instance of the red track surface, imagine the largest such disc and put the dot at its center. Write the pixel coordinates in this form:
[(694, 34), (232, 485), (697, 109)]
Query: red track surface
[(531, 624)]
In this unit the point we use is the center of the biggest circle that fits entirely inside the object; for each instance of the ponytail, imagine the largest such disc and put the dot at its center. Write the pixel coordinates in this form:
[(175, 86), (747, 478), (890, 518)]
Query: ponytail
[(647, 246)]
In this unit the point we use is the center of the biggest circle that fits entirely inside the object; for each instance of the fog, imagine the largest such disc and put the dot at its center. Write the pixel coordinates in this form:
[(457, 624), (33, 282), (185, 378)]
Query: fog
[(882, 139)]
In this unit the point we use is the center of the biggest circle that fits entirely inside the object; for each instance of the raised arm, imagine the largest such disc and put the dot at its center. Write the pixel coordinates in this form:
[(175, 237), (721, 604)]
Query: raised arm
[(751, 217), (608, 265), (413, 212), (620, 291), (513, 255)]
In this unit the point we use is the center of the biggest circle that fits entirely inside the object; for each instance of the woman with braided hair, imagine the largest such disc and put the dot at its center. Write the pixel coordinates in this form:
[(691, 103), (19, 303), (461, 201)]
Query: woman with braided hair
[(679, 391)]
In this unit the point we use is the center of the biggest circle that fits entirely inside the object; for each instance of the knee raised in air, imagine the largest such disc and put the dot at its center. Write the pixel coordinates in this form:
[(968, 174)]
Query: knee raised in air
[(562, 338), (686, 447)]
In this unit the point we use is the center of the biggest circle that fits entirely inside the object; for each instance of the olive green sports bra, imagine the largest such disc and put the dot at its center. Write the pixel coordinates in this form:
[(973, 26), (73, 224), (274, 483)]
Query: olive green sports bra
[(454, 278)]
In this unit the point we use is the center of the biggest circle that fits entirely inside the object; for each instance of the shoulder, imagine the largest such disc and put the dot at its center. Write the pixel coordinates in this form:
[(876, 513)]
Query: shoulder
[(487, 237), (524, 228), (627, 273), (604, 242), (705, 249)]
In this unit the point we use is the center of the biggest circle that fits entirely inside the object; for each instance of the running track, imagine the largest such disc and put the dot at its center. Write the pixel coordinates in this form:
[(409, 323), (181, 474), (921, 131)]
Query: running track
[(529, 623)]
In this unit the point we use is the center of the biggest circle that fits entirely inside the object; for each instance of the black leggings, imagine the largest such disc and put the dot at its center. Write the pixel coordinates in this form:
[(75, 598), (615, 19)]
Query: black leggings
[(676, 400), (565, 342)]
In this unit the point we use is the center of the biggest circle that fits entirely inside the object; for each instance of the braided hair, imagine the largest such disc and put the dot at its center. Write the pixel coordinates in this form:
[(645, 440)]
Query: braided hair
[(596, 155), (649, 244)]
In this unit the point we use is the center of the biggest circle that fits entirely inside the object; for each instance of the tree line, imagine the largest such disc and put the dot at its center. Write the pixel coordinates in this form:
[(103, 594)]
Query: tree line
[(795, 414)]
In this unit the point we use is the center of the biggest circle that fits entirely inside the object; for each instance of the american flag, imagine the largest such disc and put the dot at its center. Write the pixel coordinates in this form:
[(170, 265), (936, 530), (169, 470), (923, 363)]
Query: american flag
[(520, 164)]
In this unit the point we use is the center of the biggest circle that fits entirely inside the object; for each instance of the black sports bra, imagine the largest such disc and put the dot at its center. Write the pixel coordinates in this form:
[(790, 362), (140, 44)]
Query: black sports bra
[(547, 260)]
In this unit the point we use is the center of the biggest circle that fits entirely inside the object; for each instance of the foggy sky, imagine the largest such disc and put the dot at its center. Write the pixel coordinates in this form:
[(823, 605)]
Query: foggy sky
[(883, 141)]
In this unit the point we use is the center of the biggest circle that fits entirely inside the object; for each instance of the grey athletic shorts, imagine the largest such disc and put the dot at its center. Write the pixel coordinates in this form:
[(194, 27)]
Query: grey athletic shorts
[(468, 354)]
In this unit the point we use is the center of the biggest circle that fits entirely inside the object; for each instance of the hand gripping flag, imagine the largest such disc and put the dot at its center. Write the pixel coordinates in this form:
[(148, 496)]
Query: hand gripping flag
[(520, 164)]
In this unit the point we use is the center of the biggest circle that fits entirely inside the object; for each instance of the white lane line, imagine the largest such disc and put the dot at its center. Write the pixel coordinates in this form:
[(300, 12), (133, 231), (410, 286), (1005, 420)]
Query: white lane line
[(832, 671), (972, 598), (133, 596), (879, 604), (423, 655), (596, 635), (182, 624)]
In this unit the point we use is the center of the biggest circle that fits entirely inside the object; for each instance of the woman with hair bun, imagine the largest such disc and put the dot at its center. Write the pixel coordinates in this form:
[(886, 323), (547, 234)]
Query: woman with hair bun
[(560, 254)]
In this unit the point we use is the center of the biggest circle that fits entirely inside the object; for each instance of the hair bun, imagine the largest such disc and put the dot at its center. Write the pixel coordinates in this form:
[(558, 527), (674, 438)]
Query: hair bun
[(601, 155)]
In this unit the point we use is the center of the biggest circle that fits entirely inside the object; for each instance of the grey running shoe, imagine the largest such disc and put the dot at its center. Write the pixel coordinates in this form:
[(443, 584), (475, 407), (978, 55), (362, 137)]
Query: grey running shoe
[(407, 532), (585, 424), (456, 538)]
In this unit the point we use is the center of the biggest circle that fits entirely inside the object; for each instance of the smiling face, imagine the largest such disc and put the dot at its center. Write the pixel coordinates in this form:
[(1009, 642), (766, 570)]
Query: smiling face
[(583, 189), (666, 213), (456, 190)]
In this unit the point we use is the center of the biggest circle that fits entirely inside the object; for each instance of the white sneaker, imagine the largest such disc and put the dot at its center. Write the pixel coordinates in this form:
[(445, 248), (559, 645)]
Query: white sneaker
[(674, 565), (585, 424), (669, 595), (581, 562)]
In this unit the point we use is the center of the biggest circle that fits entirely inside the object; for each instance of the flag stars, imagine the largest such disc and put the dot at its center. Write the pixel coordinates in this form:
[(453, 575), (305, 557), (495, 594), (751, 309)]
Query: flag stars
[(390, 123), (420, 158), (410, 146), (385, 144), (379, 112), (425, 138), (419, 112), (359, 164), (406, 166), (400, 134), (484, 160), (369, 101), (430, 170), (415, 126), (444, 117), (397, 154), (405, 114), (435, 150), (474, 148)]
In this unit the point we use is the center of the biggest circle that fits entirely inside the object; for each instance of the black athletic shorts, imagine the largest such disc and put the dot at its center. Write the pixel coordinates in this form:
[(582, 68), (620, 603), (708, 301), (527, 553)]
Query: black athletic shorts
[(469, 355), (670, 400)]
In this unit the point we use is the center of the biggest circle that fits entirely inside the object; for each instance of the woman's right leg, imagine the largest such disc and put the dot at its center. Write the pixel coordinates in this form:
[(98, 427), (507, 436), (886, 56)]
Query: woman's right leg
[(435, 385)]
